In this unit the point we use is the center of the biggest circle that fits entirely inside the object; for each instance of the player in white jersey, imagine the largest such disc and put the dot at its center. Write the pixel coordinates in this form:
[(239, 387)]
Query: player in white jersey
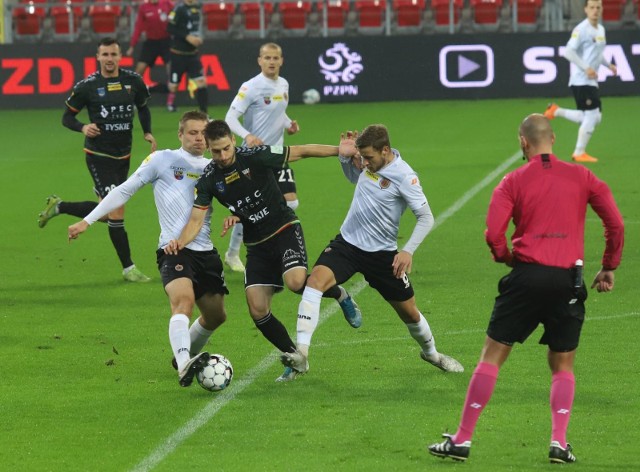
[(194, 275), (262, 104), (385, 186), (585, 52)]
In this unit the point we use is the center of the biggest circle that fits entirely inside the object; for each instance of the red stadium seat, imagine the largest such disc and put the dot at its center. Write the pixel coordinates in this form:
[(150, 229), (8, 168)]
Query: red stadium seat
[(441, 13), (294, 15), (486, 13), (28, 20), (528, 12), (104, 17), (612, 11), (408, 12), (217, 16), (336, 14), (251, 13), (370, 15), (61, 14)]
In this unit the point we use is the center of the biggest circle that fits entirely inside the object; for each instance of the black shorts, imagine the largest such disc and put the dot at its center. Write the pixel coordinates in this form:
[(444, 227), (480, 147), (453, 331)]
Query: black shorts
[(587, 97), (532, 294), (203, 268), (107, 173), (267, 261), (152, 49), (185, 64), (286, 180), (345, 260)]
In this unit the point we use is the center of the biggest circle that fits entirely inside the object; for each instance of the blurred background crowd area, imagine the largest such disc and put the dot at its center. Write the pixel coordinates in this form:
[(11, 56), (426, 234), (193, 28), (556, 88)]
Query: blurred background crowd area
[(85, 21)]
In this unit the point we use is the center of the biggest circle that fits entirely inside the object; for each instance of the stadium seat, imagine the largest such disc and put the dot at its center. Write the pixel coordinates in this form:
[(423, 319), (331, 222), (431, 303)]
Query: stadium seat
[(61, 14), (294, 17), (27, 20), (441, 14), (612, 11), (104, 18), (408, 14), (336, 11), (251, 13), (486, 14), (528, 13), (217, 18), (370, 15)]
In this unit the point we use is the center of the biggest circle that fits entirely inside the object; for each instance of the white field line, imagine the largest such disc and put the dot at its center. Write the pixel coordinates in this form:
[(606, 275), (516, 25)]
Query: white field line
[(211, 409)]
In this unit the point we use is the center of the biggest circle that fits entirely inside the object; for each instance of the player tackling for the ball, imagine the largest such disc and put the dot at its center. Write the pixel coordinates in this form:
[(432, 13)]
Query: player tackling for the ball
[(367, 243)]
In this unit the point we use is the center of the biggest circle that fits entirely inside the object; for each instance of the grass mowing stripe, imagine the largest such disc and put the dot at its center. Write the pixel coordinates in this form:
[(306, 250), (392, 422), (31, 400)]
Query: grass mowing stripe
[(209, 411)]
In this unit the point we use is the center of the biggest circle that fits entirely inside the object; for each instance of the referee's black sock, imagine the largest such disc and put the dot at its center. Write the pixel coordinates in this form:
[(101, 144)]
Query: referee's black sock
[(79, 209), (275, 332), (202, 96), (120, 241)]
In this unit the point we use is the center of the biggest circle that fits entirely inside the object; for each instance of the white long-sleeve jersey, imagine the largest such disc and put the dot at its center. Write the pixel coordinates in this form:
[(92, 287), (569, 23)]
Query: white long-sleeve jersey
[(380, 199), (585, 49), (263, 103), (173, 174)]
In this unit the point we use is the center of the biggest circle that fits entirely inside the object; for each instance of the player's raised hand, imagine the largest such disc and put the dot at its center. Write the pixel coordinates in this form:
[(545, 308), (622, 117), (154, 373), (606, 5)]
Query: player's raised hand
[(76, 229), (347, 146), (228, 223)]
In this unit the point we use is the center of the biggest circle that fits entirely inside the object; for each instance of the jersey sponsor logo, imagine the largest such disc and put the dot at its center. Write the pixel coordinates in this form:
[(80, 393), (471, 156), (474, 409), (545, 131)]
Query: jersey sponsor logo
[(147, 159), (372, 176), (117, 126), (114, 86), (385, 183), (256, 217), (231, 177), (241, 96), (267, 100), (277, 149), (278, 98), (193, 175), (415, 181), (101, 91), (103, 111)]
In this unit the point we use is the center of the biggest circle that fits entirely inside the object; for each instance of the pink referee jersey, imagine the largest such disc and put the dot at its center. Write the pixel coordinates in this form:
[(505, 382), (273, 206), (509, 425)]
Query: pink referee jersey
[(547, 200), (152, 20)]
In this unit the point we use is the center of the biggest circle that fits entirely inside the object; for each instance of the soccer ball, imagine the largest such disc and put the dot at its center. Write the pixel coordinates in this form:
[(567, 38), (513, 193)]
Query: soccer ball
[(217, 374), (310, 97)]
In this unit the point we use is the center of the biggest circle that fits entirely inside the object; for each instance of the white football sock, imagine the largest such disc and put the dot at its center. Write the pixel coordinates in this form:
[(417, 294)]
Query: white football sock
[(421, 332), (199, 337), (572, 115), (179, 339), (591, 119), (293, 204), (308, 315), (236, 240)]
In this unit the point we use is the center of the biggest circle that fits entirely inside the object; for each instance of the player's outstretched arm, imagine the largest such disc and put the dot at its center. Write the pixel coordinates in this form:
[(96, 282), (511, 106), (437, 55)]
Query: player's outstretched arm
[(189, 232)]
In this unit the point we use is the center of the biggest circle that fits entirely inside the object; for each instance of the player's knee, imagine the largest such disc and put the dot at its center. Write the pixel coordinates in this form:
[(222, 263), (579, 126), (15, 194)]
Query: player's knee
[(591, 119)]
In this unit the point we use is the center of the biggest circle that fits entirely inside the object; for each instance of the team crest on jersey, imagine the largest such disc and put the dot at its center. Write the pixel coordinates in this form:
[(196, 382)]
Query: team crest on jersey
[(220, 187), (128, 89), (101, 92), (247, 173), (179, 268), (384, 183), (231, 177), (193, 175), (178, 174), (267, 100)]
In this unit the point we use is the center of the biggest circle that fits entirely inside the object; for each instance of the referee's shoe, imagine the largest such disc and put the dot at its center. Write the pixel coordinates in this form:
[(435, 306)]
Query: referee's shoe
[(447, 448), (558, 455)]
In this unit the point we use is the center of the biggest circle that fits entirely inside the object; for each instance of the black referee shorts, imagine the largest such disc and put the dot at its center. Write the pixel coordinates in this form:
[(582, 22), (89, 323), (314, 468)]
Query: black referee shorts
[(532, 294), (203, 268), (345, 260), (152, 49)]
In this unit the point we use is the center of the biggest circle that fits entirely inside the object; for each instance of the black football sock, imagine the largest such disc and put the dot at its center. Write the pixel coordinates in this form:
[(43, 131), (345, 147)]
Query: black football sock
[(332, 292), (120, 241), (202, 96), (275, 332), (79, 209)]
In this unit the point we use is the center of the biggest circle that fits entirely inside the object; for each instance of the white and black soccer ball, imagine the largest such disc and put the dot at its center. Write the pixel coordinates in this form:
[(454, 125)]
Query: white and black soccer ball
[(310, 97), (217, 374)]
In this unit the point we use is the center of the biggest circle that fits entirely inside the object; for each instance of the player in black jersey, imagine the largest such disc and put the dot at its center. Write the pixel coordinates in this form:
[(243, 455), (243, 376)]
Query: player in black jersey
[(242, 179), (110, 96), (184, 28)]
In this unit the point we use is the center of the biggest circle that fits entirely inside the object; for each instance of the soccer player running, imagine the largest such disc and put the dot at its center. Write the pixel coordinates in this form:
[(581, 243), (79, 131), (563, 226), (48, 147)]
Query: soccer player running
[(368, 243), (585, 50), (262, 101), (184, 28), (152, 19), (242, 180), (110, 96), (547, 200), (195, 274)]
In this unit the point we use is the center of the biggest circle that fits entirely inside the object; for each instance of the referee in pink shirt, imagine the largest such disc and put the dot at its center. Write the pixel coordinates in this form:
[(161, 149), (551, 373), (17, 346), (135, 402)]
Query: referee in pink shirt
[(547, 200)]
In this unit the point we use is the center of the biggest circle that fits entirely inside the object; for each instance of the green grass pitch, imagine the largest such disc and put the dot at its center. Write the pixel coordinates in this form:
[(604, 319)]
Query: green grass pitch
[(85, 379)]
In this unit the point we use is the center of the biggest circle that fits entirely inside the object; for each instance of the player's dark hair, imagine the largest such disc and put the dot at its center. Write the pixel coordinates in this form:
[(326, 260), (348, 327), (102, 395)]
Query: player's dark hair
[(108, 41), (217, 129), (196, 115), (375, 136)]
